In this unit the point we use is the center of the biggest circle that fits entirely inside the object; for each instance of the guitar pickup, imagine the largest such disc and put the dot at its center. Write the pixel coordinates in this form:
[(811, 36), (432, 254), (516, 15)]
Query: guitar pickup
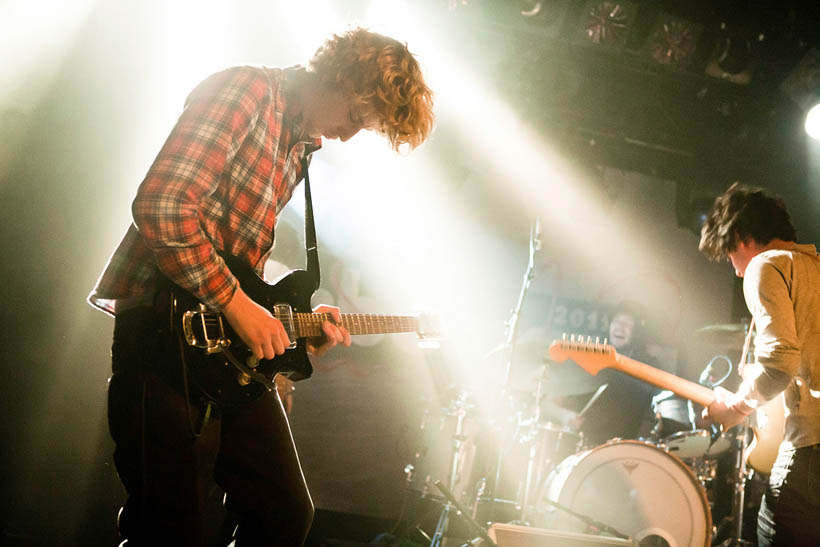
[(204, 329), (284, 313)]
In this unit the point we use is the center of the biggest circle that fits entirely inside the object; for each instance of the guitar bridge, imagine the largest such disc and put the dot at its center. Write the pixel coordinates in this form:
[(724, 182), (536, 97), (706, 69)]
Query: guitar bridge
[(204, 329)]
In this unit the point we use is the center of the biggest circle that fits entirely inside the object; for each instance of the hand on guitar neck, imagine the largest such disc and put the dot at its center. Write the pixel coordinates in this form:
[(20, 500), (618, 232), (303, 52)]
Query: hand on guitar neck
[(728, 409), (333, 333)]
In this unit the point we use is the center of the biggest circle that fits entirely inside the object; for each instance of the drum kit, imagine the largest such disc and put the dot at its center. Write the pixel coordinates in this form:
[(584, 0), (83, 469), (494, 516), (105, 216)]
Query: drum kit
[(666, 489), (658, 491)]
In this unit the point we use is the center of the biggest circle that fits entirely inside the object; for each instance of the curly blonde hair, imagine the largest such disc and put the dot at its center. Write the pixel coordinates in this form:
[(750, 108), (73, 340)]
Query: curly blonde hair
[(384, 79)]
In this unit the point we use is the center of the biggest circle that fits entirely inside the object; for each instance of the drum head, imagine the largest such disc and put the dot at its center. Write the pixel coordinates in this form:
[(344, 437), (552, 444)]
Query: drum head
[(634, 487), (688, 444)]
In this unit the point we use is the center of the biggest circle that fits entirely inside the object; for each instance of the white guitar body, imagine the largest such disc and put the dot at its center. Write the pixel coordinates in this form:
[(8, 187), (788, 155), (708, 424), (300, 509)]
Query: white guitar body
[(769, 431)]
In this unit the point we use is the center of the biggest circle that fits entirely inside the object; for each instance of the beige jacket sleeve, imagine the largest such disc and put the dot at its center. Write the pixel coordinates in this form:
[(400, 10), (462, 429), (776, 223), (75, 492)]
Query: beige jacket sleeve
[(767, 288)]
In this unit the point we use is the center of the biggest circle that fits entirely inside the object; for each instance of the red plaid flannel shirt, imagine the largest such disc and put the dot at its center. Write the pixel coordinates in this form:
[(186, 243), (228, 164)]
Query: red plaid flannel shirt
[(228, 167)]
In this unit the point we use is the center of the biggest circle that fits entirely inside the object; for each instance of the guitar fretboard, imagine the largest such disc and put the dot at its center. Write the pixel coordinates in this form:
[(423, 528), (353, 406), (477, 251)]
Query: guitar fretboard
[(664, 380), (594, 357), (307, 325)]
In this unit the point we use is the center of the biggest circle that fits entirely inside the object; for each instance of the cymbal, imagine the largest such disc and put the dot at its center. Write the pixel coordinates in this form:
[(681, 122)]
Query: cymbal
[(727, 334)]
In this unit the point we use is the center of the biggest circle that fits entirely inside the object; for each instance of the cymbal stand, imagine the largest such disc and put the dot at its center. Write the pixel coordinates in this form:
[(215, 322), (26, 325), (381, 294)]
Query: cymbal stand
[(739, 490), (534, 452), (739, 479), (461, 406)]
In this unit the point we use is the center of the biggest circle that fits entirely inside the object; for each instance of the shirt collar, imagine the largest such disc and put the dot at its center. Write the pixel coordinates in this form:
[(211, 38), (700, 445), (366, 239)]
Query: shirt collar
[(289, 75)]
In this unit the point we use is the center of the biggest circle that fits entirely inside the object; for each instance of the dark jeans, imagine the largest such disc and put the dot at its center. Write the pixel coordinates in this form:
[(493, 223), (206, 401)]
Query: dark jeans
[(790, 511), (169, 451)]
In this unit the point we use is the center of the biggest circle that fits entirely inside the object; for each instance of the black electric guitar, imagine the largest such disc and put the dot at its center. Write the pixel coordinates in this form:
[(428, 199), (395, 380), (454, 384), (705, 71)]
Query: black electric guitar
[(223, 368)]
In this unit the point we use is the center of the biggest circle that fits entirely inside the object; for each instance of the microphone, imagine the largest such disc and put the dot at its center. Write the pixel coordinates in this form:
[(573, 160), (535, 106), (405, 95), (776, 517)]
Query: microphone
[(706, 376)]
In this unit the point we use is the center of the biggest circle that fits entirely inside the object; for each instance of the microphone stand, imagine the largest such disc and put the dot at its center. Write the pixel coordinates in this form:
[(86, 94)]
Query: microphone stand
[(512, 333), (595, 525), (512, 323)]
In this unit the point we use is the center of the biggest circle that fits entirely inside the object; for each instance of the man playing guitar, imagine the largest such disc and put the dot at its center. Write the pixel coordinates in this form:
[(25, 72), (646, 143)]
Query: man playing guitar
[(781, 286), (214, 192)]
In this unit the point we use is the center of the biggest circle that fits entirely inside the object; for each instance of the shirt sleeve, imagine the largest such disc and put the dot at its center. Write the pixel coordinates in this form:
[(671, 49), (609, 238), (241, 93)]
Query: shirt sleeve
[(217, 117), (767, 290)]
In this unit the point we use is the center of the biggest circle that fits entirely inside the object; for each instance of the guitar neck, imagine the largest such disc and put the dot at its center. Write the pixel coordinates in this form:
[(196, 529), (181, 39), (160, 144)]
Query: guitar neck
[(593, 357), (308, 325), (664, 380)]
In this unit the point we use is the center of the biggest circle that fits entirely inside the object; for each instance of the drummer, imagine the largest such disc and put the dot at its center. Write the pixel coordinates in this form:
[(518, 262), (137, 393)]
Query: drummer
[(621, 406)]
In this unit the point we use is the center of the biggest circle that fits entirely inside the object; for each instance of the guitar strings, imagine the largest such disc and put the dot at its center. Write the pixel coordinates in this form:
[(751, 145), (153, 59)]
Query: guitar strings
[(360, 323)]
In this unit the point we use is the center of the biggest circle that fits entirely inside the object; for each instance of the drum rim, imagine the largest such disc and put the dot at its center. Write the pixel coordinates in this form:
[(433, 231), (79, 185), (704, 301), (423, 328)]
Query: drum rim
[(681, 434)]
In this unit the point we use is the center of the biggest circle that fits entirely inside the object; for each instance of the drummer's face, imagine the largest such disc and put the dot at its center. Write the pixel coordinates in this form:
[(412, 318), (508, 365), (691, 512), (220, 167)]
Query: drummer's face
[(620, 330)]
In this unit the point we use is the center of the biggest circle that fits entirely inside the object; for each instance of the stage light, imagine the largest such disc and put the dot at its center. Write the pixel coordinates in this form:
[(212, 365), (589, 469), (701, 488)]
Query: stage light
[(672, 40), (812, 124), (607, 23)]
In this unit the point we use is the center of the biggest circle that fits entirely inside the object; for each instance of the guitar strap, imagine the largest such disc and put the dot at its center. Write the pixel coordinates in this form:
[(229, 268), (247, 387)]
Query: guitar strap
[(312, 259), (747, 343)]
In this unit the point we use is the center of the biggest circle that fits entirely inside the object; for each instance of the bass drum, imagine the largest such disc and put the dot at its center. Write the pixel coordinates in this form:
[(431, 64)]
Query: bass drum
[(633, 487)]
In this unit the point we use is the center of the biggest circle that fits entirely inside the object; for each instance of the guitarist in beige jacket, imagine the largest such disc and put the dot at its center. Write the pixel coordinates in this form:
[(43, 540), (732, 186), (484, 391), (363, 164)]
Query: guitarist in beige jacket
[(781, 286)]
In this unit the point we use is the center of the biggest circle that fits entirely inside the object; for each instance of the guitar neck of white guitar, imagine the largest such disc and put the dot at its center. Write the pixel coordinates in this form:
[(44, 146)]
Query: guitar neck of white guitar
[(664, 380)]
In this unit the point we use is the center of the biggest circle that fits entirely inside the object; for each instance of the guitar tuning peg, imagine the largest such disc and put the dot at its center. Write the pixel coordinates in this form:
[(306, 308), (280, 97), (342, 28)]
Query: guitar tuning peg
[(597, 340), (606, 341), (564, 336), (589, 339), (572, 338)]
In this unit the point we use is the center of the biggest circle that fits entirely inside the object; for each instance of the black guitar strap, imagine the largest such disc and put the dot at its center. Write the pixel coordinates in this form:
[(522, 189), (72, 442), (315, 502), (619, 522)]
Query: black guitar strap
[(312, 263)]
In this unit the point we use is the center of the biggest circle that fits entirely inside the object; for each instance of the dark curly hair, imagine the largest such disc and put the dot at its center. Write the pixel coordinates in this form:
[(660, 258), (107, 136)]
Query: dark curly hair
[(743, 213), (384, 78)]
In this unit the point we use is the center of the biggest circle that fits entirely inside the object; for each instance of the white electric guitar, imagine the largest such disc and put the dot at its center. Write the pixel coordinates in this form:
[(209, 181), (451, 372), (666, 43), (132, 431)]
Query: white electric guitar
[(593, 357)]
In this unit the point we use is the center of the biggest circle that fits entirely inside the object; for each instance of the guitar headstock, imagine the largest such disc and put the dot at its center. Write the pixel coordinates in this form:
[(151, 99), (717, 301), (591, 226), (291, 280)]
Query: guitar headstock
[(591, 355), (429, 326)]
